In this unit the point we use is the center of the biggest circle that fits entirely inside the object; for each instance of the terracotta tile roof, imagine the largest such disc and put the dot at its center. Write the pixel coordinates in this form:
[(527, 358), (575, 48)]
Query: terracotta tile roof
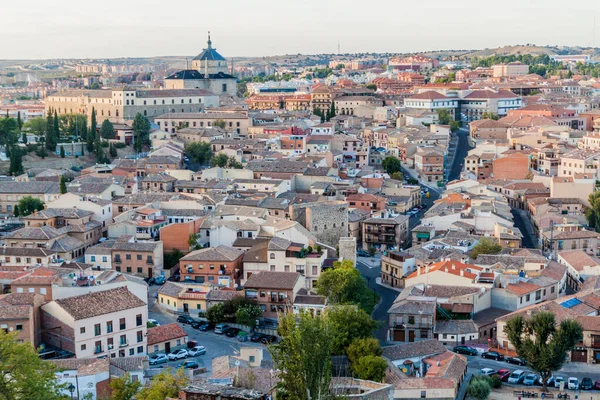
[(522, 288), (84, 367), (454, 267), (99, 303), (429, 95), (164, 333), (589, 323), (414, 349), (272, 280), (219, 253)]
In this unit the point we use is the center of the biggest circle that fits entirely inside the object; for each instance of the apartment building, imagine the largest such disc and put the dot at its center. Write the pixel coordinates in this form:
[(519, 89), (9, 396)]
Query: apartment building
[(220, 265), (394, 266), (411, 320), (12, 191), (108, 323), (234, 121), (385, 233), (510, 70), (429, 162), (139, 258), (274, 291), (20, 313)]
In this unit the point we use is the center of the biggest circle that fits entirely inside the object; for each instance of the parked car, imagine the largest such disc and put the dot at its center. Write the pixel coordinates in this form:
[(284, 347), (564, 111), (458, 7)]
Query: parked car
[(196, 324), (190, 364), (516, 361), (558, 380), (153, 322), (197, 351), (255, 337), (516, 376), (503, 374), (158, 359), (191, 344), (266, 339), (573, 383), (205, 326), (160, 280), (185, 319), (362, 253), (586, 384), (549, 383), (221, 328), (232, 332), (487, 371), (493, 355), (178, 354), (597, 385), (469, 351), (530, 379)]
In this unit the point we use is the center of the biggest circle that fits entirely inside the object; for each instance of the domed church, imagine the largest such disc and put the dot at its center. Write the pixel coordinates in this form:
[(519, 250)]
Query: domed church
[(209, 72)]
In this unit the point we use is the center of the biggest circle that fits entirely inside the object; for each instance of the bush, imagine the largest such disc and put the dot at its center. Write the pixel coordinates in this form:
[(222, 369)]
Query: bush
[(120, 145), (104, 144), (479, 388), (495, 382), (31, 147)]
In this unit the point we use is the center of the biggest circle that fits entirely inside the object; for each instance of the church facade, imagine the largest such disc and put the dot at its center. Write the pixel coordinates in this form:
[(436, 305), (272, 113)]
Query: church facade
[(208, 72)]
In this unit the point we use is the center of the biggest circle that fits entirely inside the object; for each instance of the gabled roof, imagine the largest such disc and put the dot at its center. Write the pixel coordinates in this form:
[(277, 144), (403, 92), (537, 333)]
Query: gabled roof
[(429, 95), (100, 303), (164, 333)]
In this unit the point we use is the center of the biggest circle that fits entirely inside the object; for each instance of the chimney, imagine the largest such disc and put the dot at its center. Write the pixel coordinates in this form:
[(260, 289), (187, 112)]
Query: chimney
[(462, 272)]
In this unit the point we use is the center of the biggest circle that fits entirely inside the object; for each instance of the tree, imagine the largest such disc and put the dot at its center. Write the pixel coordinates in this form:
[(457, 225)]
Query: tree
[(485, 246), (92, 132), (16, 211), (112, 150), (363, 347), (399, 176), (233, 163), (479, 388), (248, 314), (543, 344), (371, 368), (36, 126), (199, 152), (219, 160), (372, 86), (163, 385), (23, 375), (24, 138), (9, 131), (592, 213), (172, 258), (343, 284), (349, 323), (193, 242), (56, 128), (16, 161), (391, 164), (220, 124), (454, 126), (107, 131), (124, 388), (19, 120), (303, 356), (28, 205), (141, 130), (62, 151), (50, 136), (331, 111), (490, 115), (216, 314), (63, 185)]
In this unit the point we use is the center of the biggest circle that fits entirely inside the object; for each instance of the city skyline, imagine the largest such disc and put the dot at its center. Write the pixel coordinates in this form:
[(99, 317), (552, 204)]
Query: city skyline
[(149, 29)]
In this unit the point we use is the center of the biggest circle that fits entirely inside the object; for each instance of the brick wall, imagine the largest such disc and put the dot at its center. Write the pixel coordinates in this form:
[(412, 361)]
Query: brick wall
[(62, 337)]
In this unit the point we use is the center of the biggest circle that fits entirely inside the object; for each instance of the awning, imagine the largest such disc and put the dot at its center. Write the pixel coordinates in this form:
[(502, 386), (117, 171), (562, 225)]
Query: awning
[(422, 235)]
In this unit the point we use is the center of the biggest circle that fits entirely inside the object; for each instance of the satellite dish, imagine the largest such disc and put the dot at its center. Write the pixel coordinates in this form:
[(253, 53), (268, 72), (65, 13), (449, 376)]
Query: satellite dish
[(237, 362)]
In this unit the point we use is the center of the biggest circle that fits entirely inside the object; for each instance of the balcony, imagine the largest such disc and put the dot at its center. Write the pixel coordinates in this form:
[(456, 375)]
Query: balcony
[(98, 350), (117, 261), (123, 344), (150, 261)]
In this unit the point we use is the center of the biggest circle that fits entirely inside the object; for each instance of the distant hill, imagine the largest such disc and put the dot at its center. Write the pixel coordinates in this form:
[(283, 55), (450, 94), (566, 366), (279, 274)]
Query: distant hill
[(513, 50)]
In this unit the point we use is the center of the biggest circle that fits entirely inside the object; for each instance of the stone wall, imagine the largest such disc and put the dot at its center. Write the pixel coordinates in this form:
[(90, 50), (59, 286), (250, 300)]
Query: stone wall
[(328, 221)]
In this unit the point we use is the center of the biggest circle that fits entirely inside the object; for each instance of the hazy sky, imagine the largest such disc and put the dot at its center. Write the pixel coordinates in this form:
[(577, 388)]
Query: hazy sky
[(135, 28)]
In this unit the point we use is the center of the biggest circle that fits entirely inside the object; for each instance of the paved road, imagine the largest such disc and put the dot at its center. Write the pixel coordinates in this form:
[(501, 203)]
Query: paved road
[(216, 345), (462, 150), (526, 228)]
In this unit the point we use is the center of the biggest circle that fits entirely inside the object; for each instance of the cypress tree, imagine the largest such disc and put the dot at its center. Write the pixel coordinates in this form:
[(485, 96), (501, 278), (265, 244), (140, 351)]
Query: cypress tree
[(63, 185), (56, 128), (62, 151), (91, 135), (50, 142), (19, 120)]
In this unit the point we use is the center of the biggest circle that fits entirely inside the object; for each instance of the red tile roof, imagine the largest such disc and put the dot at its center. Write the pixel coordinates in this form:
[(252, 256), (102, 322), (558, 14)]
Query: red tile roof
[(163, 333)]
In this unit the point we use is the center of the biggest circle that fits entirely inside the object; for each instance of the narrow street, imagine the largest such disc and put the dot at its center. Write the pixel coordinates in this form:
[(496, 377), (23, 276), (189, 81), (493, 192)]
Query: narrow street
[(526, 228), (462, 149)]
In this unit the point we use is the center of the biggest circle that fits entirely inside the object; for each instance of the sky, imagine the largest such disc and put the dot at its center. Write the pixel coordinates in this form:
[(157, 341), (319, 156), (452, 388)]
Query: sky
[(41, 29)]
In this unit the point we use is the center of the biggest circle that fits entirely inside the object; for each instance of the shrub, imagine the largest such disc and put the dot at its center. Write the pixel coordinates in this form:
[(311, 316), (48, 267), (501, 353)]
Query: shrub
[(120, 145), (104, 143), (479, 388)]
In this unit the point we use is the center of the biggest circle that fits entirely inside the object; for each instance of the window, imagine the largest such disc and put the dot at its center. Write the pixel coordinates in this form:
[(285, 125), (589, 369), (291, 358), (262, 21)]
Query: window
[(19, 327), (43, 290), (251, 359), (140, 349), (122, 340), (82, 329), (139, 257), (138, 320), (128, 269), (83, 347), (109, 327), (411, 319), (272, 256), (97, 330), (122, 324), (140, 336), (128, 256), (155, 348), (93, 258), (528, 297), (423, 394), (131, 352)]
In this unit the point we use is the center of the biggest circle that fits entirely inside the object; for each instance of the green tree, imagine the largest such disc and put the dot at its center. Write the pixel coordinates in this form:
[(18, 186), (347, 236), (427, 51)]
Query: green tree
[(56, 128), (372, 86), (193, 242), (9, 131), (92, 132), (219, 160), (479, 388), (220, 124), (63, 185), (485, 246), (141, 130), (107, 130), (23, 375), (50, 136), (16, 161), (248, 314), (444, 117), (331, 111), (233, 163), (490, 115), (391, 164), (592, 213), (36, 126), (16, 211), (27, 205), (216, 314), (371, 368), (349, 323), (172, 258), (541, 342), (19, 120), (113, 151), (124, 388), (399, 176), (62, 151), (200, 153), (24, 138), (343, 284), (303, 356), (163, 385), (363, 347)]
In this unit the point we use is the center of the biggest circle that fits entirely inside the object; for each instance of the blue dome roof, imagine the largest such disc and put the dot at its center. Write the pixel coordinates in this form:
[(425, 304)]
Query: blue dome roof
[(209, 53)]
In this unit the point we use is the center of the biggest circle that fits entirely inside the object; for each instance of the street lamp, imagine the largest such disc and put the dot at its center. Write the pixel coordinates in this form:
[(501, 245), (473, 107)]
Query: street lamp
[(71, 388)]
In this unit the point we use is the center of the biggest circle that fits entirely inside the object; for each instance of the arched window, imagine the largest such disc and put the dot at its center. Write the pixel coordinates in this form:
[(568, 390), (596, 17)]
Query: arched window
[(144, 102), (272, 256), (145, 113), (127, 102), (163, 102), (154, 102), (132, 103), (181, 101), (173, 101), (190, 101)]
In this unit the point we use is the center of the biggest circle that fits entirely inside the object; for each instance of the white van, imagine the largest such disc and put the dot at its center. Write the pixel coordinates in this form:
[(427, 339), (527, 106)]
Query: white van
[(221, 328), (516, 376)]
